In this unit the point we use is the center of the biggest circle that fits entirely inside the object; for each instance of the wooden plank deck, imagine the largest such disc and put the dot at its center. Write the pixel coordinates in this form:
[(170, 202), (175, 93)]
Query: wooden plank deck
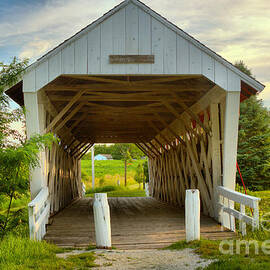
[(137, 223)]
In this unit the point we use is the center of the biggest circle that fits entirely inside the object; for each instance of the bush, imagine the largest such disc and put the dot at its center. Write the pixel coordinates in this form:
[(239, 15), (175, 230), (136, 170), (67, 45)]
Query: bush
[(101, 189)]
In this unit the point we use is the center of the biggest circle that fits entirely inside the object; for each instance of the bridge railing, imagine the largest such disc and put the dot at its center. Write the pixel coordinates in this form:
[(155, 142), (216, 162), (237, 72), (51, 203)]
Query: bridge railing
[(39, 212), (83, 190), (226, 196)]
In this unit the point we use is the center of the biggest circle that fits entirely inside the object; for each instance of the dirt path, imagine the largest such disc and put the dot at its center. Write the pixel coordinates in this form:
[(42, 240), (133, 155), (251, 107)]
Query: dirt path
[(146, 259)]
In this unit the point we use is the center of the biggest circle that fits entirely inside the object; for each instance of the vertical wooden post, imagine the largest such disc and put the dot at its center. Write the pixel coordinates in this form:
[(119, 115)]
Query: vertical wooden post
[(32, 223), (35, 124), (242, 222), (215, 151), (230, 149), (102, 221), (192, 215), (256, 216), (93, 166)]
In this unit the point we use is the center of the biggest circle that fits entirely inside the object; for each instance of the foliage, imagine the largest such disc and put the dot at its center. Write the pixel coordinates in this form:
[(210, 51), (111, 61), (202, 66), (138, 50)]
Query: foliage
[(139, 175), (145, 171), (115, 151), (101, 189), (15, 163), (254, 144), (117, 191), (254, 141), (243, 67), (21, 253), (9, 75)]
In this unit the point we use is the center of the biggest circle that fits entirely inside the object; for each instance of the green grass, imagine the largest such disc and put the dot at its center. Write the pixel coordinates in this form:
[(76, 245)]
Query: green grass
[(117, 191), (108, 172), (18, 253), (208, 249)]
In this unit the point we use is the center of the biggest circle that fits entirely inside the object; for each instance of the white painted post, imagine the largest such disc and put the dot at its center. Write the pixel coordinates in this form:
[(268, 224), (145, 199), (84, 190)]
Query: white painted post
[(32, 222), (192, 215), (35, 124), (102, 221), (93, 166), (242, 222), (256, 216), (146, 189), (230, 150)]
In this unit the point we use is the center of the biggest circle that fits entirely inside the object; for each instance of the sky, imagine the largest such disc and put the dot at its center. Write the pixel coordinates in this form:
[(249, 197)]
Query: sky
[(235, 29)]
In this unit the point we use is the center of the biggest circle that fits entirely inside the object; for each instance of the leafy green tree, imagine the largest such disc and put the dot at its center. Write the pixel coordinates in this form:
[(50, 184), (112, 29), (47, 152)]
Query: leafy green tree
[(125, 156), (139, 175), (15, 163), (254, 141), (15, 159), (9, 75)]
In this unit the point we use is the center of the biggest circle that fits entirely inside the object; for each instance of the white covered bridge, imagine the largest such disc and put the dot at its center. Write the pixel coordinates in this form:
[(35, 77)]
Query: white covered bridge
[(133, 77)]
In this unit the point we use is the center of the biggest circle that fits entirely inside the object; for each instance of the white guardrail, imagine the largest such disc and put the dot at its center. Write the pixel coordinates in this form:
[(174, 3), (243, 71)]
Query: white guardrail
[(227, 195), (39, 211)]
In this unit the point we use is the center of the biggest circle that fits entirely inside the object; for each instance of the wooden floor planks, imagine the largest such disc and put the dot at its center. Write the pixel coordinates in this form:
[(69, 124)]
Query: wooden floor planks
[(137, 223)]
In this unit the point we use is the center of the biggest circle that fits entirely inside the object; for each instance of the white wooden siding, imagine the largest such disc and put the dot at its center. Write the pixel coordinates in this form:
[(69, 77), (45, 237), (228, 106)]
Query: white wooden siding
[(130, 30), (118, 36), (132, 36), (94, 47)]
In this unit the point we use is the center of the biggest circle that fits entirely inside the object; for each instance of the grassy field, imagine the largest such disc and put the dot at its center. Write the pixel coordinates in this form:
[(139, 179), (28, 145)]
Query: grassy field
[(18, 253), (108, 172)]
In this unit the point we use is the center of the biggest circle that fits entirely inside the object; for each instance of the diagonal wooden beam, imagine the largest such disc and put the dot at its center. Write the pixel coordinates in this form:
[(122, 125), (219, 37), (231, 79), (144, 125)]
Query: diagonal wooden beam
[(69, 116), (143, 150), (77, 148), (160, 144), (79, 120), (64, 110), (191, 113), (147, 149), (173, 111), (84, 152), (153, 146), (159, 133), (67, 136), (166, 125), (150, 149)]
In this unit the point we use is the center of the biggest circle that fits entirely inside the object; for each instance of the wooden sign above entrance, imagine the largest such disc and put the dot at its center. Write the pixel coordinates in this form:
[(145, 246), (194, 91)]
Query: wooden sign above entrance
[(132, 59)]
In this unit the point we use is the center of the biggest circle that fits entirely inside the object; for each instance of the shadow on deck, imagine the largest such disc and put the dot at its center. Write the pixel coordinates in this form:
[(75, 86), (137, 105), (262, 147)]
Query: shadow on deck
[(137, 223)]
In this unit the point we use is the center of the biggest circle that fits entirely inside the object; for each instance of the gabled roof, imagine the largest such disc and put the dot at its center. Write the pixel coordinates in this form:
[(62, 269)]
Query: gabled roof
[(249, 80), (249, 85)]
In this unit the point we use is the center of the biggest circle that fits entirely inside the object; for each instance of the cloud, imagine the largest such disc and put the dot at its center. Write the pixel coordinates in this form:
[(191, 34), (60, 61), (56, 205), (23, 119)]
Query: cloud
[(35, 48), (237, 29), (265, 95)]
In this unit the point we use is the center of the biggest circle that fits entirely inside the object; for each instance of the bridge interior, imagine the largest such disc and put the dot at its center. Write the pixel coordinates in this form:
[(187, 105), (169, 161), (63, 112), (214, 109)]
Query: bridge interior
[(137, 223)]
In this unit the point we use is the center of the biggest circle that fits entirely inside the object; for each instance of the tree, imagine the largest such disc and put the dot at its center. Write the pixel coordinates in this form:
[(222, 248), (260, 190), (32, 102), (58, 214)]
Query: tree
[(254, 141), (15, 163), (15, 159), (125, 156), (139, 175), (9, 75)]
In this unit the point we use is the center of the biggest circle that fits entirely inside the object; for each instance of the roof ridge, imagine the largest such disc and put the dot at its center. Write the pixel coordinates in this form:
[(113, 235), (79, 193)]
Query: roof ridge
[(168, 24)]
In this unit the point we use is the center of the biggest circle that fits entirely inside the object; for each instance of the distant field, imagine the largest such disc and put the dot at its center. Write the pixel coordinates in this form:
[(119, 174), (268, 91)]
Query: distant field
[(108, 172)]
